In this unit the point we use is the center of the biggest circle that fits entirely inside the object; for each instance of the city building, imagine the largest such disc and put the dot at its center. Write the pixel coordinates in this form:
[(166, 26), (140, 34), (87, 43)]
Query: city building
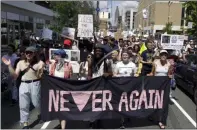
[(20, 18), (159, 13), (128, 13), (116, 16), (103, 20)]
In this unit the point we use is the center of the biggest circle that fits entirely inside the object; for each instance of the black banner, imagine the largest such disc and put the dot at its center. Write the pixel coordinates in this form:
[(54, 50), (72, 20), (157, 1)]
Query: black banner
[(105, 98)]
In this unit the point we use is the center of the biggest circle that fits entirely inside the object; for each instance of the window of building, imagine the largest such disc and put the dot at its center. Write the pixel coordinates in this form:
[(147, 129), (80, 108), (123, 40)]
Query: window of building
[(3, 31), (182, 16), (47, 21), (3, 14), (39, 26), (31, 19), (12, 16)]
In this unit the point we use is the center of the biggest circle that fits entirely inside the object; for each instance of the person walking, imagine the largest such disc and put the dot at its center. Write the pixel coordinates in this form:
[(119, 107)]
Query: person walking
[(29, 89), (12, 57)]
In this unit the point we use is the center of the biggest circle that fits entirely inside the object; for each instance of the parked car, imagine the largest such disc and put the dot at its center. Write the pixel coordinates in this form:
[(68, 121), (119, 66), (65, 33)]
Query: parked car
[(186, 75)]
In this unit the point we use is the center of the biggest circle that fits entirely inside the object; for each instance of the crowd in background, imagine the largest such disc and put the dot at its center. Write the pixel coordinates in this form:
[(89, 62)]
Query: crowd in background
[(106, 56)]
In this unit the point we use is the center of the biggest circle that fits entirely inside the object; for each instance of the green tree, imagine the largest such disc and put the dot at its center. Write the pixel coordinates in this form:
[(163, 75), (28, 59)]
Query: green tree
[(168, 28), (191, 16), (67, 13)]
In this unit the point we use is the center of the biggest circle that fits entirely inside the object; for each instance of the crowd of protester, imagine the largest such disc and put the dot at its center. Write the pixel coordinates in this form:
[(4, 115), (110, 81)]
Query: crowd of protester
[(99, 57)]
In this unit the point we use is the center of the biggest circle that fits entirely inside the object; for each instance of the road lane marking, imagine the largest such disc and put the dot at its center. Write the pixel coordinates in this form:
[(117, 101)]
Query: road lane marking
[(184, 112), (45, 125)]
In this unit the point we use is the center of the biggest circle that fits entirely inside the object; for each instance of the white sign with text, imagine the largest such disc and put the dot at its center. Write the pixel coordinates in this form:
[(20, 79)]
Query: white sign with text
[(85, 25), (172, 42)]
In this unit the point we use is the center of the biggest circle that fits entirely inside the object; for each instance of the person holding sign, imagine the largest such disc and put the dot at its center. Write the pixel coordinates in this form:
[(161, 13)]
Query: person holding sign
[(61, 69)]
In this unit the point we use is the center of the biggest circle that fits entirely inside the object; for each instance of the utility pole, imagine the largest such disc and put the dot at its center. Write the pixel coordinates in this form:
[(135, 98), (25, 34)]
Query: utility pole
[(97, 6), (169, 4)]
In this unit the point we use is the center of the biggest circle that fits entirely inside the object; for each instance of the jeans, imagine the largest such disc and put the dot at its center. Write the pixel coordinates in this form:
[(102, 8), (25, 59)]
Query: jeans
[(28, 92), (13, 88)]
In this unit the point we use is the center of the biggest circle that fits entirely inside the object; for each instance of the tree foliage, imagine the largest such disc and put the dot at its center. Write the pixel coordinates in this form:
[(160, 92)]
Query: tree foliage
[(168, 28), (191, 16), (67, 13)]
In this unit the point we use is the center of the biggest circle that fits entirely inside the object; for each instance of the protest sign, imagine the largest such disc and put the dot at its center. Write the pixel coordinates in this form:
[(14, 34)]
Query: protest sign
[(173, 42), (73, 56), (85, 25), (105, 98), (47, 33), (69, 32)]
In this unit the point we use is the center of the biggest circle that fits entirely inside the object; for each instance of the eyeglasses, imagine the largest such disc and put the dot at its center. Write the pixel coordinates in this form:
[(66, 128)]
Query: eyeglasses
[(28, 52)]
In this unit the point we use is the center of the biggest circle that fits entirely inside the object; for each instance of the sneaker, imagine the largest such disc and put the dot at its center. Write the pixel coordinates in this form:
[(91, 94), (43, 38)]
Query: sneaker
[(91, 126), (122, 127), (26, 127), (40, 120)]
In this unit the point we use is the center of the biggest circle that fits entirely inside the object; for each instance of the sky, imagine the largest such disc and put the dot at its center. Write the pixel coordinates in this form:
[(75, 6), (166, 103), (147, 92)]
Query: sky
[(106, 6)]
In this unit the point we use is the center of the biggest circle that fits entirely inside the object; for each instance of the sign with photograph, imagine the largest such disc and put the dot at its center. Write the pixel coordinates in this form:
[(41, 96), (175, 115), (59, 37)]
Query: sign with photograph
[(85, 25), (69, 32), (73, 56), (172, 42)]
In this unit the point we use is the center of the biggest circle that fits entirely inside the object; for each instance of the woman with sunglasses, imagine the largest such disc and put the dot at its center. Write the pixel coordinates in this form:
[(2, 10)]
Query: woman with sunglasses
[(62, 69), (83, 70), (161, 67), (29, 89)]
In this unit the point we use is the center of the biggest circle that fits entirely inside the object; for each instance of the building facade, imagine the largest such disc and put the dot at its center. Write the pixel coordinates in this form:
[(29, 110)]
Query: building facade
[(22, 18), (128, 18), (159, 14)]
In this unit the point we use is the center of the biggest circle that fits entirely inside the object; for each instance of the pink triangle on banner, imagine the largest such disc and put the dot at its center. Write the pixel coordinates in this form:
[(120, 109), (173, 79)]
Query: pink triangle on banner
[(81, 98)]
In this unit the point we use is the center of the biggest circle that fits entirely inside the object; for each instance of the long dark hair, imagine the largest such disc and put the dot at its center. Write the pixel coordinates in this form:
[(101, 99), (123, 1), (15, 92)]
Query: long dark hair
[(34, 60)]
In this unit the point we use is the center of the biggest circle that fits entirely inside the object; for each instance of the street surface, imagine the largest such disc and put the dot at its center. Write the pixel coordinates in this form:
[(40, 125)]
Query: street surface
[(178, 118)]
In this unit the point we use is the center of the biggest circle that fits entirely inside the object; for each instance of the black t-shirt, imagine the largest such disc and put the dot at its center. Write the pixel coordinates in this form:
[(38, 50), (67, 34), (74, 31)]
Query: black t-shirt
[(147, 55)]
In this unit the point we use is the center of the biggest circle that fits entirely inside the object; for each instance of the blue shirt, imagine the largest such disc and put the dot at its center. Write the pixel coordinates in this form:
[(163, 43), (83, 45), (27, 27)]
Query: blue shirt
[(109, 48)]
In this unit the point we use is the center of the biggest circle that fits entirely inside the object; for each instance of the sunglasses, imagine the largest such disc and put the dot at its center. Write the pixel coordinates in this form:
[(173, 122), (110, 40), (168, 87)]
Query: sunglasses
[(89, 57), (28, 52)]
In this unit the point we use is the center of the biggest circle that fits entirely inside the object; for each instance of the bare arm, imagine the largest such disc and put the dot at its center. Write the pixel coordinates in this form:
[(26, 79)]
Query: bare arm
[(14, 73), (153, 70)]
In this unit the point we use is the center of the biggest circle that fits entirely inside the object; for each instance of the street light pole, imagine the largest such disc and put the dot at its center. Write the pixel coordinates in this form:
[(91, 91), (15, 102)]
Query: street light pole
[(169, 4), (97, 15)]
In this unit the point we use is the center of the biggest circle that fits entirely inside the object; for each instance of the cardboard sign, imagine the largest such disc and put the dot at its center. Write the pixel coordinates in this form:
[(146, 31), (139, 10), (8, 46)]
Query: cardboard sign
[(69, 32), (172, 42), (47, 33), (85, 25)]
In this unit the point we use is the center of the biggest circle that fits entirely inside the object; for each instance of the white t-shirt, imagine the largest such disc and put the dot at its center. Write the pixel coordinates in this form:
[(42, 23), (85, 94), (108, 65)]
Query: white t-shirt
[(124, 70), (59, 73)]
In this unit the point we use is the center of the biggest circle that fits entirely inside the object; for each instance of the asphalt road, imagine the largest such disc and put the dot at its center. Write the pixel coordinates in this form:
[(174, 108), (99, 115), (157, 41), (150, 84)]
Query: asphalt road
[(181, 115)]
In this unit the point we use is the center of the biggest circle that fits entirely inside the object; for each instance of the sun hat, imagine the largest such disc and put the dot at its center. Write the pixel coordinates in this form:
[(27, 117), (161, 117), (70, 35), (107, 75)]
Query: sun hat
[(31, 49)]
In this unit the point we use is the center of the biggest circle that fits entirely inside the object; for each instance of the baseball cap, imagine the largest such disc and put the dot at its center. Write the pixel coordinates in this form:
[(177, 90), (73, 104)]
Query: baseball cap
[(67, 42)]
